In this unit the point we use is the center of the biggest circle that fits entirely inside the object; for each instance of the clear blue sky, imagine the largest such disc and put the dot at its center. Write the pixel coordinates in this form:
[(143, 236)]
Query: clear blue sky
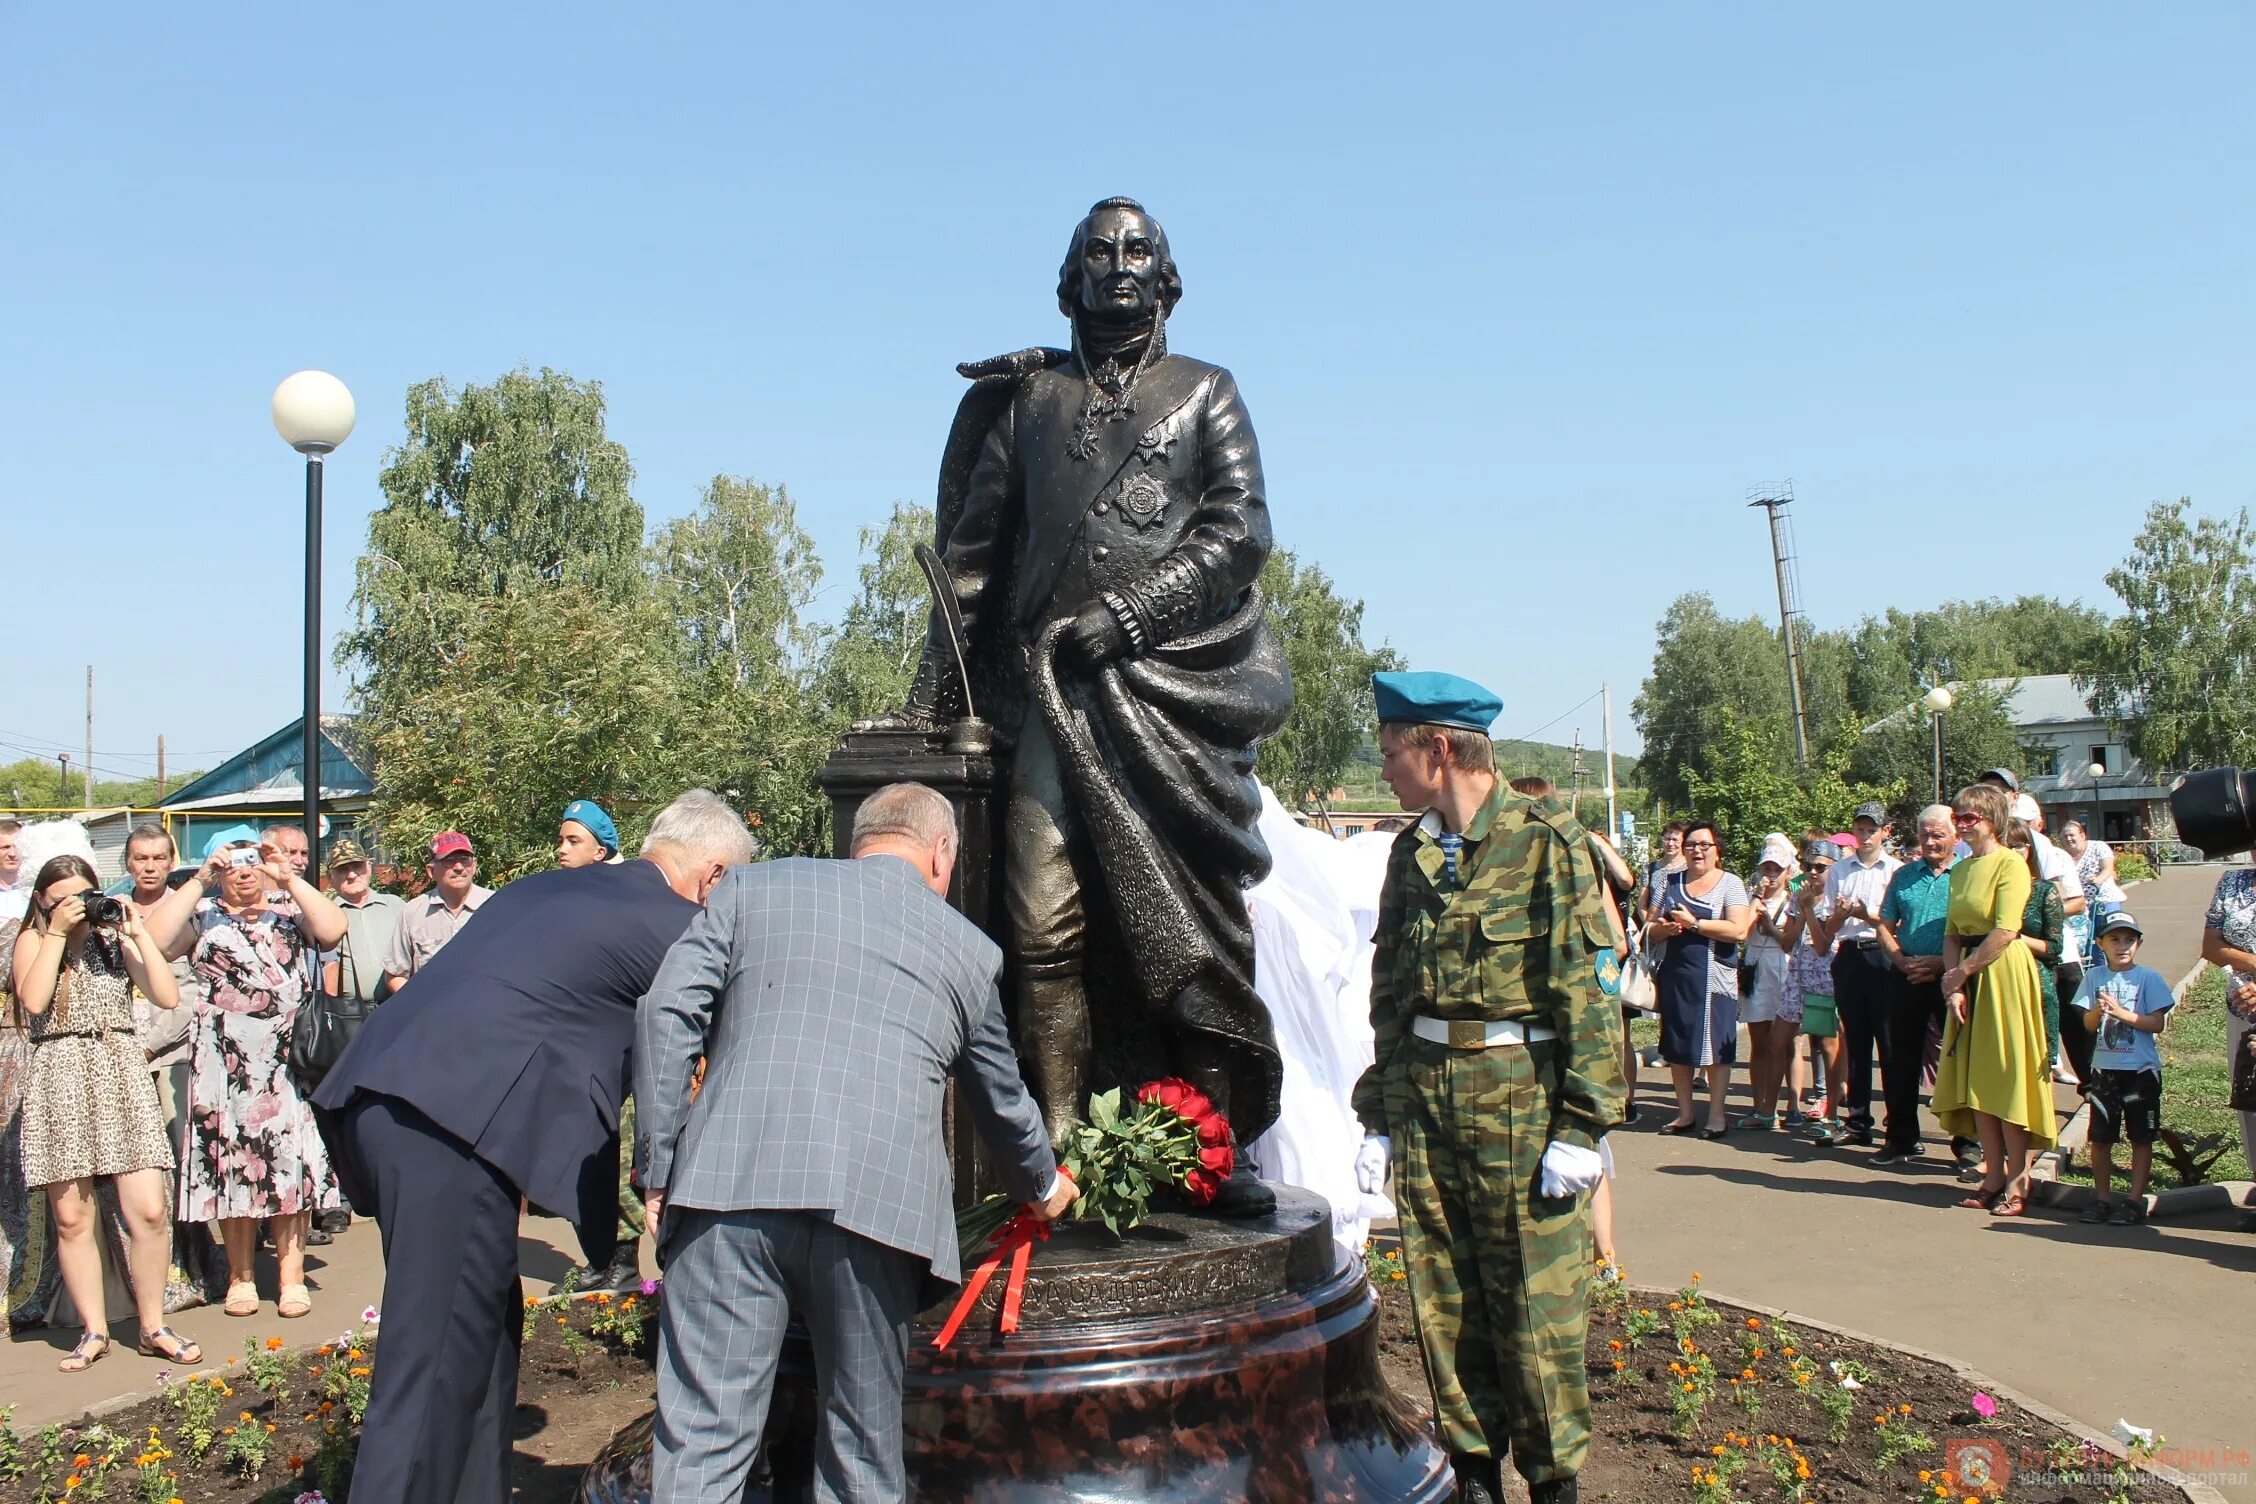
[(1523, 298)]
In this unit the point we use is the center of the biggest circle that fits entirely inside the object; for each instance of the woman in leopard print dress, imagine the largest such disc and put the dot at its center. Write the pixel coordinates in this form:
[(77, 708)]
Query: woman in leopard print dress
[(90, 1108)]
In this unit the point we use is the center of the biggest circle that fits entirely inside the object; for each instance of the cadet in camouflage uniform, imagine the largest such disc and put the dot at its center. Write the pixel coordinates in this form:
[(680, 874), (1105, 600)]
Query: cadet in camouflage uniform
[(1495, 1075)]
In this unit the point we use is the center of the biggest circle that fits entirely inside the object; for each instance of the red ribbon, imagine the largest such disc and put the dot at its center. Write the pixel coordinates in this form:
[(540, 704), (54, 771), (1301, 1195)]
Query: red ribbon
[(1014, 1239)]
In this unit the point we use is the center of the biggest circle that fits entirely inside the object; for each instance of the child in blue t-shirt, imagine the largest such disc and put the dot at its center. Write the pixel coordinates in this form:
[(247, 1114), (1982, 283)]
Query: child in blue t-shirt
[(2124, 1004)]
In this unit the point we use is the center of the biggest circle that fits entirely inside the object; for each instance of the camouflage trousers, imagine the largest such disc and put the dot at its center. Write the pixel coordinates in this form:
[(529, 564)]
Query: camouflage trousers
[(1500, 1277), (630, 1205)]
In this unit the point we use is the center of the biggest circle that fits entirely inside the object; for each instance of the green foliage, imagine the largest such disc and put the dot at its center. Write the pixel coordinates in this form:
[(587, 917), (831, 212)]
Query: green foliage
[(734, 577), (552, 695), (1702, 664), (1751, 794), (732, 581), (36, 783), (2177, 670), (1898, 1438), (1851, 678), (245, 1445), (196, 1402), (12, 1462), (1332, 710), (1898, 750), (869, 662), (2130, 867)]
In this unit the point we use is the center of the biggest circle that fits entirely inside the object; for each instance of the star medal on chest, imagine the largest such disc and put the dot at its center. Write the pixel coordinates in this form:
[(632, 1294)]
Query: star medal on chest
[(1142, 499)]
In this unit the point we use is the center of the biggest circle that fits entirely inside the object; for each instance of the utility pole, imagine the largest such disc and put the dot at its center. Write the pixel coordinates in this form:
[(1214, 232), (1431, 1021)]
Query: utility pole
[(90, 736), (160, 770), (1775, 500), (62, 801), (1606, 738), (1575, 803)]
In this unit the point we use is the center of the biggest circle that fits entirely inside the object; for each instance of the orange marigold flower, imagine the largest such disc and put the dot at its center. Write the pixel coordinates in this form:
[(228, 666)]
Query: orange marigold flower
[(296, 1462), (1754, 1323), (274, 1344), (81, 1460)]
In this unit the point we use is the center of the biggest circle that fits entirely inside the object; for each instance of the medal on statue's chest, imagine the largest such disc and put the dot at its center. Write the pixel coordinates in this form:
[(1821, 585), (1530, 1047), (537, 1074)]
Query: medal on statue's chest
[(1142, 499)]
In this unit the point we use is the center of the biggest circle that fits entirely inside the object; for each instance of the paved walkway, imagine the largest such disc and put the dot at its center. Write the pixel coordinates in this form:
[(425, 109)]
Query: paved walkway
[(2156, 1325)]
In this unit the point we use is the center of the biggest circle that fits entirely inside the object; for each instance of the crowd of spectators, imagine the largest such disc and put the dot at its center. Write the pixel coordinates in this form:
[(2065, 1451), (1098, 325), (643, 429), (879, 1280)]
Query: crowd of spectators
[(1975, 963), (155, 1127)]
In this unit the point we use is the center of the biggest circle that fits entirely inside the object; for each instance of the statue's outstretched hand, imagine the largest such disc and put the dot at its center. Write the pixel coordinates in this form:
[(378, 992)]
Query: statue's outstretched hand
[(1094, 639)]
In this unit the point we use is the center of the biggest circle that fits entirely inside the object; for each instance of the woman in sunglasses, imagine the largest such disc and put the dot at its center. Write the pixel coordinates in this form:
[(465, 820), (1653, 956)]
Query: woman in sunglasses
[(91, 1109), (1703, 915), (1994, 1080)]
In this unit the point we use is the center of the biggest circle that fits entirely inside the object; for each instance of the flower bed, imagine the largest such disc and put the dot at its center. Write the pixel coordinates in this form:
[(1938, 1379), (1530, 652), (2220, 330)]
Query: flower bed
[(277, 1426), (1697, 1401)]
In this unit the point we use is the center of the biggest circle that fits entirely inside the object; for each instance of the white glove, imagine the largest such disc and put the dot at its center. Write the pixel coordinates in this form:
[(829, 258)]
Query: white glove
[(1570, 1169), (1371, 1166)]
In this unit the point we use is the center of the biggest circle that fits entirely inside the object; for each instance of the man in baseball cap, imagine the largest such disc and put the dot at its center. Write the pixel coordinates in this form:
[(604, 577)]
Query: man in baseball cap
[(439, 913)]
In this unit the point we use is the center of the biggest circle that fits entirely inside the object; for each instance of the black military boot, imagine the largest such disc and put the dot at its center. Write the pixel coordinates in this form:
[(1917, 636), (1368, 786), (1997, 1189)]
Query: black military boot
[(1558, 1491), (1480, 1480), (935, 698)]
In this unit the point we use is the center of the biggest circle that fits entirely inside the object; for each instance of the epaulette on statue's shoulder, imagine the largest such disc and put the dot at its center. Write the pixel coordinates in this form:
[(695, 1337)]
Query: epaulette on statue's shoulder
[(1015, 366)]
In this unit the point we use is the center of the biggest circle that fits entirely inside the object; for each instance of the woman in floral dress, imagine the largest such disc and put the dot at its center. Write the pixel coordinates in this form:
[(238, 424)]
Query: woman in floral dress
[(252, 1151)]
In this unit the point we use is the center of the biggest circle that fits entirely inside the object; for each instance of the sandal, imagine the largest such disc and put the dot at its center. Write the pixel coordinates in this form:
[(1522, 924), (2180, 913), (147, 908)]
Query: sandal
[(242, 1298), (2094, 1213), (81, 1358), (2131, 1213), (1982, 1201), (2014, 1205), (1684, 1127), (295, 1302), (183, 1352)]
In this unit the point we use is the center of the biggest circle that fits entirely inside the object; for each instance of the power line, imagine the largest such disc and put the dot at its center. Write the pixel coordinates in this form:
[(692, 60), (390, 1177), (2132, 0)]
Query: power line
[(1555, 720)]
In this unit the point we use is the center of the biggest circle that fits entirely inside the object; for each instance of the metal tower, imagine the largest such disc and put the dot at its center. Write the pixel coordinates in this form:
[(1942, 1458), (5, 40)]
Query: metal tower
[(1776, 500)]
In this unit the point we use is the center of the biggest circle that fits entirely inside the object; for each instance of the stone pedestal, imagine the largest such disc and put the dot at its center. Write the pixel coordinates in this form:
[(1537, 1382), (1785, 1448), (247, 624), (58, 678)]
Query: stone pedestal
[(1193, 1362), (970, 780)]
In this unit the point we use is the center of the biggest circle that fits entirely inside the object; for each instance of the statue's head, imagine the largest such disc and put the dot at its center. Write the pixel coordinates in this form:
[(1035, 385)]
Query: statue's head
[(1118, 267)]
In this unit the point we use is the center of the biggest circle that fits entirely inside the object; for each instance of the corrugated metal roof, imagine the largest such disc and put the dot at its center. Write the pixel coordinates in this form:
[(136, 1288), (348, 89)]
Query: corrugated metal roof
[(276, 762)]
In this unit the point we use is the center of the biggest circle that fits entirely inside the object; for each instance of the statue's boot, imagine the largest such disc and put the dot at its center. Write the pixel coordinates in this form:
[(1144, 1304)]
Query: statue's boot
[(1204, 1062), (1053, 1033), (934, 698)]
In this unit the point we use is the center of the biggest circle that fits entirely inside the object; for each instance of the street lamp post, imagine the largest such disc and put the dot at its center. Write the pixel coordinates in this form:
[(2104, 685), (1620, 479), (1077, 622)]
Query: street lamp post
[(1938, 701), (314, 414), (2098, 770)]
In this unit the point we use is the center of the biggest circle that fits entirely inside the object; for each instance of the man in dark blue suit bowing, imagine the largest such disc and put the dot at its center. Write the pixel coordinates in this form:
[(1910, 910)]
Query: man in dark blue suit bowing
[(497, 1074)]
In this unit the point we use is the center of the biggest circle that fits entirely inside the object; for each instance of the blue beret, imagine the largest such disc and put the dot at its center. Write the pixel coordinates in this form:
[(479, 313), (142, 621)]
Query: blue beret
[(590, 814), (1429, 699)]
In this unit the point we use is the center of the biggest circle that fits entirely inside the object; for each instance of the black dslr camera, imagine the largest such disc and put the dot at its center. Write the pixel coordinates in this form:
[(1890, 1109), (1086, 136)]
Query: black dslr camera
[(103, 910), (2216, 810)]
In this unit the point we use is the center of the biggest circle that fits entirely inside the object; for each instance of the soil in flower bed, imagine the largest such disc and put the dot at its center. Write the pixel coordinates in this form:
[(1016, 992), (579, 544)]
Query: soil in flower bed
[(583, 1380), (578, 1384), (1648, 1450)]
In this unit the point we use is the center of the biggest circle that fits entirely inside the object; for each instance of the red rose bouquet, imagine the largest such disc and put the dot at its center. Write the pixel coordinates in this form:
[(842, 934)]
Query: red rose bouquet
[(1167, 1136)]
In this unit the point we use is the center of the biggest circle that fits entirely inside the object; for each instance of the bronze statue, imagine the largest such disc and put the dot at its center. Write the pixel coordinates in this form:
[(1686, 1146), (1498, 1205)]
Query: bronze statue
[(1101, 525)]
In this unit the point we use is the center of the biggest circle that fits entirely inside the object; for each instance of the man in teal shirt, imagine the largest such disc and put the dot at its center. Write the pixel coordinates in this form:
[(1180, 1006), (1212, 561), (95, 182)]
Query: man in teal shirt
[(1910, 925)]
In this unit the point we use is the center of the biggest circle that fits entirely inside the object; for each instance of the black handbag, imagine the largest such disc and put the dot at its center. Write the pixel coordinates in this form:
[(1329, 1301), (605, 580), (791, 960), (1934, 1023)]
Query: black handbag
[(322, 1029), (2243, 1098)]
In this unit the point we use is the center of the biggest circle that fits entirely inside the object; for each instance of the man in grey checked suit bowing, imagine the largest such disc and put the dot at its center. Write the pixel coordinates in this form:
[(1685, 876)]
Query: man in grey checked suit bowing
[(831, 1001)]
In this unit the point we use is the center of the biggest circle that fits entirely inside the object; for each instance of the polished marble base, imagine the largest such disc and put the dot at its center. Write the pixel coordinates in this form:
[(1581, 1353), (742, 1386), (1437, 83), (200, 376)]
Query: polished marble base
[(1195, 1360)]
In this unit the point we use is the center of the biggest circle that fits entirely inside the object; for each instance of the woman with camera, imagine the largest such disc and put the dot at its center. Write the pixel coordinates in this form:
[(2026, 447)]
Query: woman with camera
[(90, 1108), (252, 1150)]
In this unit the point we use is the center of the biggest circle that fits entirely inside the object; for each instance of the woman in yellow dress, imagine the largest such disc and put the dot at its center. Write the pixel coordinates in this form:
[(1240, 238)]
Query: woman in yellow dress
[(1993, 1082)]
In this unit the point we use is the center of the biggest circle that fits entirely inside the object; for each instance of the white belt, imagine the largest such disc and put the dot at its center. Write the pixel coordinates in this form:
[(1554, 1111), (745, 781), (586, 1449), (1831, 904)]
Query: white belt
[(1471, 1034)]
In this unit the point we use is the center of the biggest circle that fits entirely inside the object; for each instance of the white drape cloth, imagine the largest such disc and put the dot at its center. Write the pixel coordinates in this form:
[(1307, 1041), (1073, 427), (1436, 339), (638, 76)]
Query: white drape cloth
[(1312, 921)]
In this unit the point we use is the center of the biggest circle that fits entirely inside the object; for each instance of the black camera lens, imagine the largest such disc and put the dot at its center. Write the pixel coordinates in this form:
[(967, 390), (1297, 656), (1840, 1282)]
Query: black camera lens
[(101, 908), (2215, 809)]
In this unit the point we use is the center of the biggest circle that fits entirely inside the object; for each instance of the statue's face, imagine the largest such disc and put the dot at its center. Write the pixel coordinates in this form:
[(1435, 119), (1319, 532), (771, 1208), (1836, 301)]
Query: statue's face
[(1120, 264)]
